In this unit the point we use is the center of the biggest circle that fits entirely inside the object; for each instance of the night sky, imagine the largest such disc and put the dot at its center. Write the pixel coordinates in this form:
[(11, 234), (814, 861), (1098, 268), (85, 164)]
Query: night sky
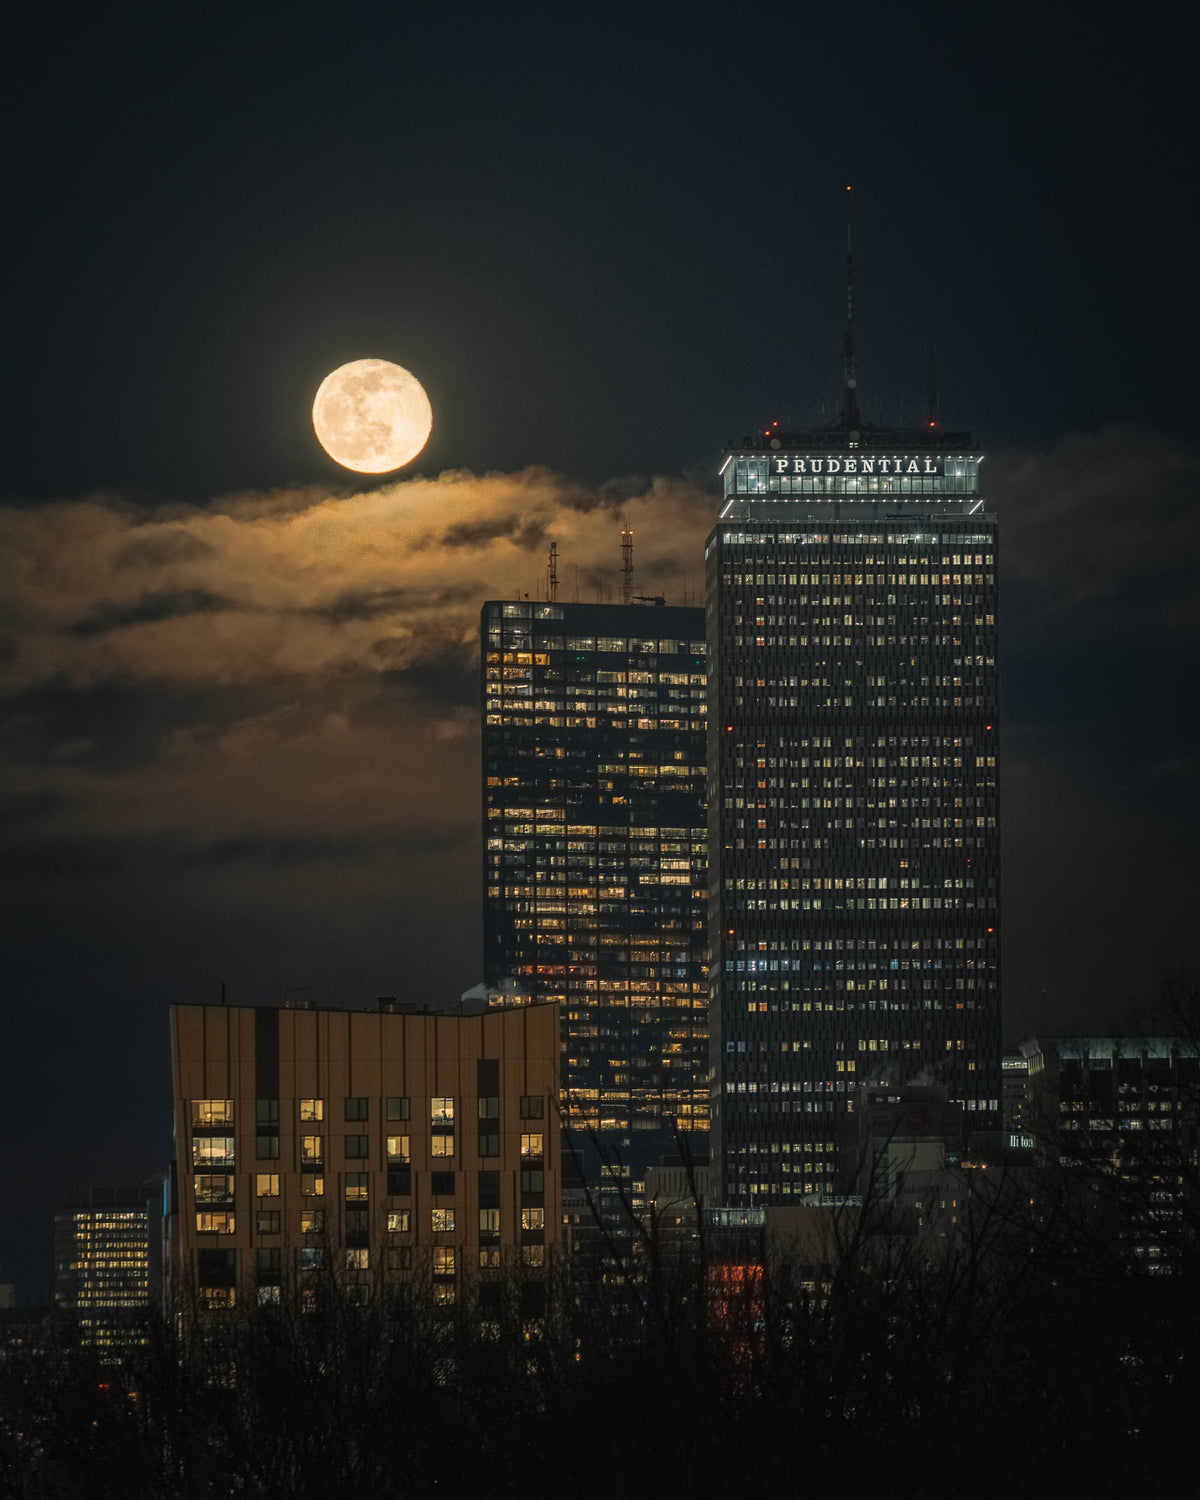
[(240, 730)]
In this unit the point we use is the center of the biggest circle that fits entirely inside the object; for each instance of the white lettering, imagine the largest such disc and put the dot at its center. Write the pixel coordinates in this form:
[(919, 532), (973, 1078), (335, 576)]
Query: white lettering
[(930, 466), (852, 466), (781, 465), (833, 465), (885, 465), (868, 466), (913, 467), (817, 465), (799, 466)]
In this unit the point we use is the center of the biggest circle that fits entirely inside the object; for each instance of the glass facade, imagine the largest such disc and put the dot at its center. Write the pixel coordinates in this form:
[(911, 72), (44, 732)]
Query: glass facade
[(595, 855), (854, 837)]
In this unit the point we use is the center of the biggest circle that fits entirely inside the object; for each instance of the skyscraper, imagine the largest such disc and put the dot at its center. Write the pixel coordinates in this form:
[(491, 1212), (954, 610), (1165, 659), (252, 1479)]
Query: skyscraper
[(108, 1261), (854, 829), (595, 858)]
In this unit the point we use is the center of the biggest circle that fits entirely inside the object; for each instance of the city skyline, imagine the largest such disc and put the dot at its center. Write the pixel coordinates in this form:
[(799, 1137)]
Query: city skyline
[(240, 691)]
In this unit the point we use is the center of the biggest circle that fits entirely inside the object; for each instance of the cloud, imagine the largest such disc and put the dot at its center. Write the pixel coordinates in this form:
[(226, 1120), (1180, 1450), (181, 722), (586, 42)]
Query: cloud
[(291, 584), (273, 678)]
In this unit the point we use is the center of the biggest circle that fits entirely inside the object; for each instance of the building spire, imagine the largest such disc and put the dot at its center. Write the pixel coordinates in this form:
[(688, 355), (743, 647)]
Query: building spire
[(851, 416)]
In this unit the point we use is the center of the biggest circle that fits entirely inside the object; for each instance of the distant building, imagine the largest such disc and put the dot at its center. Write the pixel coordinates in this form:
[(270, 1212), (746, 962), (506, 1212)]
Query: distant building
[(908, 1156), (1123, 1115), (1099, 1091), (595, 884), (108, 1262), (367, 1149), (855, 832)]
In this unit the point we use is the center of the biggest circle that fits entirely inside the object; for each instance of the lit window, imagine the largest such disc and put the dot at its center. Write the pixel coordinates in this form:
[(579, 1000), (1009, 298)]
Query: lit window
[(214, 1223), (212, 1149), (266, 1184), (443, 1262), (311, 1148), (533, 1255), (358, 1260), (212, 1112), (442, 1221), (213, 1187), (312, 1109), (397, 1148), (397, 1221), (533, 1218), (441, 1111), (312, 1185), (531, 1145), (312, 1221), (357, 1186), (441, 1145)]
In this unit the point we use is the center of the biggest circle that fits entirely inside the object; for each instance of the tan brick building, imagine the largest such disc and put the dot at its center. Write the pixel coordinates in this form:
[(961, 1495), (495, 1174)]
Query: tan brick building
[(365, 1148)]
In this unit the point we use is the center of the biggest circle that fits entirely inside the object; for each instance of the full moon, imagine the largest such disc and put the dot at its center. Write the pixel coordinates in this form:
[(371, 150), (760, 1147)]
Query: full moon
[(372, 416)]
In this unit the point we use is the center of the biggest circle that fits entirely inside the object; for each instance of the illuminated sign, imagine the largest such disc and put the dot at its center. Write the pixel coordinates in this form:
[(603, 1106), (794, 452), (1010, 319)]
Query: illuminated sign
[(856, 464)]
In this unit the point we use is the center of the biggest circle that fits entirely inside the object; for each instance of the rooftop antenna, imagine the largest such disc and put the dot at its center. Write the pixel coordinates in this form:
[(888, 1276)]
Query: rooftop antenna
[(626, 565), (931, 408), (851, 416), (553, 573)]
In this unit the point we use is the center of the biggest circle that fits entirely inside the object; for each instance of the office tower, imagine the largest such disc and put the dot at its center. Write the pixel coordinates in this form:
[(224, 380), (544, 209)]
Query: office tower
[(594, 858), (108, 1260), (854, 827), (364, 1148)]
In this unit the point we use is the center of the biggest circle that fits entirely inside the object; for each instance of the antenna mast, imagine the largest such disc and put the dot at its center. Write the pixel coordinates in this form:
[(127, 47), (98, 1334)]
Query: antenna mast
[(931, 411), (626, 565), (851, 416), (552, 572)]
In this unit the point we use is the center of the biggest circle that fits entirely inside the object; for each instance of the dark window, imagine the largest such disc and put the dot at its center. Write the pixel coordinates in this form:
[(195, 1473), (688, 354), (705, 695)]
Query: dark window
[(399, 1257), (487, 1076), (216, 1267), (356, 1109), (489, 1143), (532, 1180), (399, 1181), (267, 1148), (489, 1107), (267, 1111), (441, 1183), (358, 1220), (489, 1189), (532, 1106), (397, 1108), (357, 1146), (269, 1264), (269, 1221)]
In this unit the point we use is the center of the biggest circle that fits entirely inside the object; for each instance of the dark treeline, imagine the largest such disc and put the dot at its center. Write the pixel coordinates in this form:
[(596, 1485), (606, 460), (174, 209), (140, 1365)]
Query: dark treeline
[(1036, 1350)]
